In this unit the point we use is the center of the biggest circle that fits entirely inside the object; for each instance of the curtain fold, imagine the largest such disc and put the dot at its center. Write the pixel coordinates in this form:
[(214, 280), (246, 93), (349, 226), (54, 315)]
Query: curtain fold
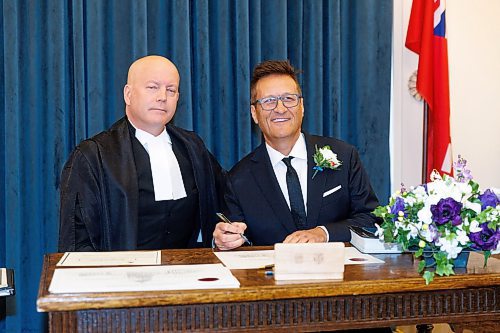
[(64, 65)]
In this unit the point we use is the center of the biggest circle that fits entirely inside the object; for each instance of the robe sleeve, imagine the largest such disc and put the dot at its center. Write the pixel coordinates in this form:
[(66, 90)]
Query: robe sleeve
[(79, 228)]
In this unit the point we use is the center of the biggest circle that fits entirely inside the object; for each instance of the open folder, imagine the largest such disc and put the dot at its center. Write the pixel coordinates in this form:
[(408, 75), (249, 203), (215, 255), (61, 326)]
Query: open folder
[(6, 282)]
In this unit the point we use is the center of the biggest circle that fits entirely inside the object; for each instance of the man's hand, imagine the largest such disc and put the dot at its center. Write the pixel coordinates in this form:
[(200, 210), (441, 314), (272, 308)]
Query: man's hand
[(316, 235), (227, 236)]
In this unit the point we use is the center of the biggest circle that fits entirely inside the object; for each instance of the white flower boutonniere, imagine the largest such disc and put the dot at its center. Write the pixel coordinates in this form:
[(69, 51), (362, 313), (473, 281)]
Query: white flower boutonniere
[(325, 158)]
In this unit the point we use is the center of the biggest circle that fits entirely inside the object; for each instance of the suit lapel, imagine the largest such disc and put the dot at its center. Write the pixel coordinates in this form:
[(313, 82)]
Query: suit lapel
[(265, 179), (316, 186)]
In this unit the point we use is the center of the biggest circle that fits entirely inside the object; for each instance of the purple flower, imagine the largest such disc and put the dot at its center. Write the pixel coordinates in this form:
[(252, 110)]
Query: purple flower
[(447, 210), (485, 240), (434, 233), (488, 198), (399, 206), (463, 175)]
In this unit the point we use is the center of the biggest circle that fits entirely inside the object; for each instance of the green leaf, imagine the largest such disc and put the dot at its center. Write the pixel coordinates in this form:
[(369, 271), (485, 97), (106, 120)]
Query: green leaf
[(421, 266), (428, 277), (487, 254), (443, 264), (444, 269), (380, 211)]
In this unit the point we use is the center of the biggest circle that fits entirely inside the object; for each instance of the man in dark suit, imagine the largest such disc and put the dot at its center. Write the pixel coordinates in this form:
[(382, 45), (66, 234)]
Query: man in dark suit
[(278, 193), (143, 183)]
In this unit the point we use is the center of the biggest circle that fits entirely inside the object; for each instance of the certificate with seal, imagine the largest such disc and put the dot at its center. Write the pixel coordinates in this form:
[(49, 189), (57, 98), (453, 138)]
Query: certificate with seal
[(142, 278)]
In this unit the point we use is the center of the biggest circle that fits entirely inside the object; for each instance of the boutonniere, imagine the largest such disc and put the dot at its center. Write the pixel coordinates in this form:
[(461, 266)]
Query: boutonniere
[(325, 158)]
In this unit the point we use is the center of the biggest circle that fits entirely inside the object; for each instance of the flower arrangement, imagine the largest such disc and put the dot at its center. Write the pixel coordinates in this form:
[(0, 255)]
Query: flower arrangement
[(325, 158), (445, 216)]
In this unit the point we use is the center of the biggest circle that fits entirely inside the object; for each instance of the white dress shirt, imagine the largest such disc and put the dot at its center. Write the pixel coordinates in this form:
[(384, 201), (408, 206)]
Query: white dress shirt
[(299, 163)]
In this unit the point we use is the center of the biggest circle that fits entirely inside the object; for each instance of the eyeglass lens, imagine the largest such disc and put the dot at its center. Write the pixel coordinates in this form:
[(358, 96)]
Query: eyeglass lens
[(271, 102)]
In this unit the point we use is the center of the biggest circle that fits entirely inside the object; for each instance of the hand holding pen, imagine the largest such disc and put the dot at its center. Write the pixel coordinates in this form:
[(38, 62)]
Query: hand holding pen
[(229, 235)]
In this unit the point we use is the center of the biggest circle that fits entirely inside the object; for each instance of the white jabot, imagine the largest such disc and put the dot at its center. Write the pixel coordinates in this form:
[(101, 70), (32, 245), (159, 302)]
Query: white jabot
[(165, 170)]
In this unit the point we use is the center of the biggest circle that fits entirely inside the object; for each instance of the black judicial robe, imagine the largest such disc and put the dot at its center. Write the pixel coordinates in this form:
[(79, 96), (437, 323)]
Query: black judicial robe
[(100, 178)]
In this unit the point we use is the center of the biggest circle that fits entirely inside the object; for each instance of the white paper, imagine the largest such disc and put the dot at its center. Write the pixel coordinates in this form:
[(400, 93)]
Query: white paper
[(148, 278), (246, 259), (260, 259), (352, 256), (3, 278), (113, 258)]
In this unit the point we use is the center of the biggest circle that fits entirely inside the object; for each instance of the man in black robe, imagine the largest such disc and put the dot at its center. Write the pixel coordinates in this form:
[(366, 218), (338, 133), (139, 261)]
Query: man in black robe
[(143, 183)]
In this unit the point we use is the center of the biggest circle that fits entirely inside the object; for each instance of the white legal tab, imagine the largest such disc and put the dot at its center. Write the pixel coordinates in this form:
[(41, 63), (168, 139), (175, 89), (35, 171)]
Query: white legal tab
[(364, 240), (309, 261)]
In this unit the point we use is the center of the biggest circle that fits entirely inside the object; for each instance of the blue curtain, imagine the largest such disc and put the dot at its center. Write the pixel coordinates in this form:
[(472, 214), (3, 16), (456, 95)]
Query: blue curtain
[(64, 64)]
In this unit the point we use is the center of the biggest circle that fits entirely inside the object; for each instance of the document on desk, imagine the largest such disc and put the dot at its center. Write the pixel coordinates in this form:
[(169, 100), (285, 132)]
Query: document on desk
[(113, 258), (259, 259), (246, 259), (145, 278), (352, 256)]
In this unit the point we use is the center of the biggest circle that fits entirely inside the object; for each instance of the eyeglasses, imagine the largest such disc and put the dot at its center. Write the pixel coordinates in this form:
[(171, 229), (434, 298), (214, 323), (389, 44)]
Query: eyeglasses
[(271, 102)]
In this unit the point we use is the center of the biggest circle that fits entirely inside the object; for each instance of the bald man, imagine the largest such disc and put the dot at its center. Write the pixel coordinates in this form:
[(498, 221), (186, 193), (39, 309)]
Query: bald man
[(143, 183)]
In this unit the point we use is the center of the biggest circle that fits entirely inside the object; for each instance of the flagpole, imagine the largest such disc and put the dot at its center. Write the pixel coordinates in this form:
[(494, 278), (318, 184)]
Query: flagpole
[(425, 129)]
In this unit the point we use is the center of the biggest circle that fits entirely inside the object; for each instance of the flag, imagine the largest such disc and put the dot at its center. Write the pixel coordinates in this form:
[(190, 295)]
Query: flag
[(427, 37)]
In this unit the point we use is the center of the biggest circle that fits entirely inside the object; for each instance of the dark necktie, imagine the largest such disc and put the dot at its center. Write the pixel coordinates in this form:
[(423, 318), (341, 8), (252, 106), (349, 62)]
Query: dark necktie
[(295, 195)]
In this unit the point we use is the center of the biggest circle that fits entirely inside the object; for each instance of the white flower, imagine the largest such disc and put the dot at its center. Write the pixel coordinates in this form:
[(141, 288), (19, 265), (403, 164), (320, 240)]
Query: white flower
[(325, 158), (328, 154), (410, 200), (474, 226), (420, 193), (379, 232), (414, 229), (497, 250), (425, 214), (465, 189), (450, 247), (462, 237), (471, 205)]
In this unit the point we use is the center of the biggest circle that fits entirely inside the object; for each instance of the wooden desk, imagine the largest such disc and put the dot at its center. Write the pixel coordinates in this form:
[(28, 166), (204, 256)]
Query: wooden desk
[(369, 296)]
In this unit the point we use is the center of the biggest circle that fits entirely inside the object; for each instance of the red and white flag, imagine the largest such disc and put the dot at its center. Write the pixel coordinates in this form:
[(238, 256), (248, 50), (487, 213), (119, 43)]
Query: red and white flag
[(427, 37)]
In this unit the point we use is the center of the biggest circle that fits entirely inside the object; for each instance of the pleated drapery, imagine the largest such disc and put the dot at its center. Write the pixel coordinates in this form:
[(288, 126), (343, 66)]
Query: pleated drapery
[(64, 64)]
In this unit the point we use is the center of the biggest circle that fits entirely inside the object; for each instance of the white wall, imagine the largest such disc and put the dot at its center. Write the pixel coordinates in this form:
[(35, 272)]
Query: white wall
[(473, 30)]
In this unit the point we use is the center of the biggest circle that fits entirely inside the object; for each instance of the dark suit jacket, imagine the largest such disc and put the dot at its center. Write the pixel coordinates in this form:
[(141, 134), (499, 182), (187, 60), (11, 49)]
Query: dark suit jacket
[(254, 195), (100, 179)]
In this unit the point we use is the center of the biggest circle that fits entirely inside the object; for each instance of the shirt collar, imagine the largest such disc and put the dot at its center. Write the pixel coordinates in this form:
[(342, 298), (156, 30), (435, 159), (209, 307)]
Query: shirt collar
[(299, 151), (145, 137)]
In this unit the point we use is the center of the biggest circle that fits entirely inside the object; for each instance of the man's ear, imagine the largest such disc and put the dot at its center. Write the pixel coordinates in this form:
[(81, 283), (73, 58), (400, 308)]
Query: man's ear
[(253, 110), (126, 94)]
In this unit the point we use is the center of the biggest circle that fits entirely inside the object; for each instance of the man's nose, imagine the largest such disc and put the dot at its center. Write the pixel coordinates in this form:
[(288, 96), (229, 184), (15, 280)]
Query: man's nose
[(280, 107), (162, 95)]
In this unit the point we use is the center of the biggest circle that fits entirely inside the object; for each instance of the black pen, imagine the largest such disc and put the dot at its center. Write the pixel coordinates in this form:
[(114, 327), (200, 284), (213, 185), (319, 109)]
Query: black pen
[(226, 220)]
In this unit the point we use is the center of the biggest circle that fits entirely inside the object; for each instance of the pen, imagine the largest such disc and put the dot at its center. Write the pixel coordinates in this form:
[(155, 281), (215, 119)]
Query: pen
[(226, 220)]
